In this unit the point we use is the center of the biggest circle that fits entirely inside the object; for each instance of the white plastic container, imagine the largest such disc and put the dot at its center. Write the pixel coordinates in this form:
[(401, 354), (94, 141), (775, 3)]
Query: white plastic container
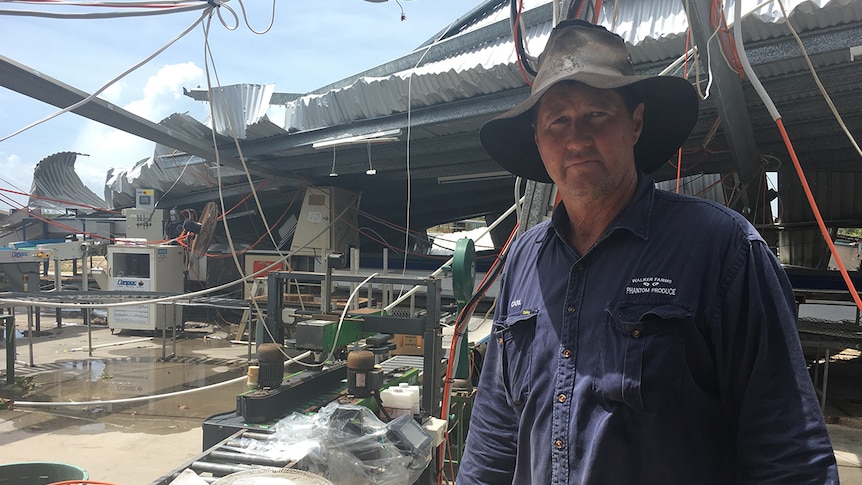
[(396, 401), (414, 396)]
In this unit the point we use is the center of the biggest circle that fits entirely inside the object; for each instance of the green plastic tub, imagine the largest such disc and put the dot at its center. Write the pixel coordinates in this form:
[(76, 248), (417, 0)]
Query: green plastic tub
[(39, 473)]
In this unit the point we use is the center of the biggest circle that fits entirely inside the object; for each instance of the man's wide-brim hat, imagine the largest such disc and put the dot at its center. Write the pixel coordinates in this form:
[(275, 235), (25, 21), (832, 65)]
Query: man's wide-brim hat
[(583, 52)]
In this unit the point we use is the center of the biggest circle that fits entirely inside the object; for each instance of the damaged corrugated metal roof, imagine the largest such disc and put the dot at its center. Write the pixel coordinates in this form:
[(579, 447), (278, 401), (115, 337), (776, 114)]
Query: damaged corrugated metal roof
[(456, 67), (56, 186), (468, 73)]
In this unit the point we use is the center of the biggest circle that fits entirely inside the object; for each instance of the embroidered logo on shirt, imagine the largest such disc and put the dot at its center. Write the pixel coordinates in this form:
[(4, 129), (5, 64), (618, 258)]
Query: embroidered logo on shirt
[(651, 284), (515, 303)]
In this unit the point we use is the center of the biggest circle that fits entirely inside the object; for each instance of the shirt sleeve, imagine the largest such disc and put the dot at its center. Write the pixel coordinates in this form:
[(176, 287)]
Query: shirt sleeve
[(492, 440), (767, 391)]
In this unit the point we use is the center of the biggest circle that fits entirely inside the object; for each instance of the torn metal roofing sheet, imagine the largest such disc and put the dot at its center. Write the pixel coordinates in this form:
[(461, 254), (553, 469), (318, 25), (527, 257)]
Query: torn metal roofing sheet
[(56, 186), (237, 106)]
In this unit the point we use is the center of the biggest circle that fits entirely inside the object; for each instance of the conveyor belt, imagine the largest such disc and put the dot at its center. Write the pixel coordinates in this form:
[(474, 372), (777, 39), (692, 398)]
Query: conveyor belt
[(821, 333), (231, 455)]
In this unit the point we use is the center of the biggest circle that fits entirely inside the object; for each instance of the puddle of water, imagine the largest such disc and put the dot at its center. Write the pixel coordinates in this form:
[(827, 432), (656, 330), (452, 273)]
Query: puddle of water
[(92, 427), (103, 380)]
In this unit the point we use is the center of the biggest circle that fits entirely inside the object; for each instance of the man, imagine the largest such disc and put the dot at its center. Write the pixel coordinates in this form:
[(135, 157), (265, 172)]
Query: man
[(640, 337)]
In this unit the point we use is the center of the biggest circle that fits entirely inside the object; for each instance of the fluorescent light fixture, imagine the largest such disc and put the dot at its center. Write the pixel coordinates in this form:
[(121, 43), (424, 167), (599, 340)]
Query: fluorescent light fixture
[(379, 137), (473, 177)]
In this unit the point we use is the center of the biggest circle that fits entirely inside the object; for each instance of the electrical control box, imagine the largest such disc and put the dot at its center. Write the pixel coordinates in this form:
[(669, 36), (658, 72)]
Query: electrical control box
[(145, 269), (146, 198), (146, 224)]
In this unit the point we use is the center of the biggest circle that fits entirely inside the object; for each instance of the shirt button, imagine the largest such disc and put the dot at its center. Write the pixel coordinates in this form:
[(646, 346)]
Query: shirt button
[(636, 333), (570, 309), (579, 267), (567, 353), (500, 340), (561, 398), (558, 444)]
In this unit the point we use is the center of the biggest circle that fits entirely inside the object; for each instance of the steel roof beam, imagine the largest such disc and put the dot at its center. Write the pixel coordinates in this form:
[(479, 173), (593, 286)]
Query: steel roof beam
[(34, 84), (731, 106)]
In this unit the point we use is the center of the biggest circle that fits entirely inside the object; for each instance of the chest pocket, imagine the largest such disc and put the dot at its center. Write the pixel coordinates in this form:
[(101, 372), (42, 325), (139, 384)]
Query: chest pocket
[(642, 355), (514, 335)]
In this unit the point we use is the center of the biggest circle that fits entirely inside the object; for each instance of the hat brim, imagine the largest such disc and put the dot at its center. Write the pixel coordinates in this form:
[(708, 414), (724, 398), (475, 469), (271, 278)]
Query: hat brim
[(671, 107)]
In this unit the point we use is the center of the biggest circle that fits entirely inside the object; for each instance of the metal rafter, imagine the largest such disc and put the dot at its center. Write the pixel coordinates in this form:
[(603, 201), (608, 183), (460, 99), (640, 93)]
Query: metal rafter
[(730, 104)]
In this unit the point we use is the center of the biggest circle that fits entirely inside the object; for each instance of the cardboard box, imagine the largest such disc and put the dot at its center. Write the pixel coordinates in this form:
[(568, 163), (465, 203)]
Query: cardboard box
[(407, 344)]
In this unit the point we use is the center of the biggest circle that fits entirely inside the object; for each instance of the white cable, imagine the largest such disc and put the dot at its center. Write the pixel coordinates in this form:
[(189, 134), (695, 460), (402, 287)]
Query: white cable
[(111, 82), (151, 4), (746, 66), (102, 15), (245, 16), (817, 81), (709, 64), (341, 320), (409, 130), (441, 269), (49, 404)]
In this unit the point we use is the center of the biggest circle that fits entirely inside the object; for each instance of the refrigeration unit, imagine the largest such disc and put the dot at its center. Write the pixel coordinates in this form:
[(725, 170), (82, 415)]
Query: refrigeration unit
[(327, 222), (149, 269)]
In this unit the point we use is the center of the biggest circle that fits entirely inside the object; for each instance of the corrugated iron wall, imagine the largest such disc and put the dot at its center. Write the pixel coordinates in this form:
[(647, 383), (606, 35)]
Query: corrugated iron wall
[(839, 202)]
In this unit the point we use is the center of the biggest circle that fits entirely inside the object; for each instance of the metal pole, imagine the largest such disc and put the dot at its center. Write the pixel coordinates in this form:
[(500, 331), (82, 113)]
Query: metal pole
[(325, 290), (10, 348), (354, 269), (58, 285), (30, 332), (386, 288), (825, 381), (29, 319), (85, 283)]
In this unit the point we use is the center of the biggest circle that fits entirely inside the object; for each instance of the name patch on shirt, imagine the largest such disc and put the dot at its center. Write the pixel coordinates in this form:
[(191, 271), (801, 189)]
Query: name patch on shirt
[(651, 284)]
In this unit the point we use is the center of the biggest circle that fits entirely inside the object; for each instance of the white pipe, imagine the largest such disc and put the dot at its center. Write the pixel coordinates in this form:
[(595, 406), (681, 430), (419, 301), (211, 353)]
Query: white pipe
[(50, 404), (114, 344)]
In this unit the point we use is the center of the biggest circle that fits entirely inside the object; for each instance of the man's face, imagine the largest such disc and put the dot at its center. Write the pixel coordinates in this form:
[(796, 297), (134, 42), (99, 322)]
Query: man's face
[(586, 139)]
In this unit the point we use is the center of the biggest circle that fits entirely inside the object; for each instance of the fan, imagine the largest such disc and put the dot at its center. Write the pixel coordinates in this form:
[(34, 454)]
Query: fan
[(203, 230), (272, 477)]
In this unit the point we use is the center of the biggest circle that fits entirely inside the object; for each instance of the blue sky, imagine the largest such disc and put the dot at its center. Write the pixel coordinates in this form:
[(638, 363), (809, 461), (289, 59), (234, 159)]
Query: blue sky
[(311, 44)]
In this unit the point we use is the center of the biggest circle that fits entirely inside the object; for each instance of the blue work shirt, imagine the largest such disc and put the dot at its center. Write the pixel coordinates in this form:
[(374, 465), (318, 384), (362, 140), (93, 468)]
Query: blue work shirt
[(667, 354)]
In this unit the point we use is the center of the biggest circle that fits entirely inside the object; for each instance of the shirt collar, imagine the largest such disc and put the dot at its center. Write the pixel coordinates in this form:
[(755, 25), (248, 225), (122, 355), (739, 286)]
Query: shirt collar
[(634, 218)]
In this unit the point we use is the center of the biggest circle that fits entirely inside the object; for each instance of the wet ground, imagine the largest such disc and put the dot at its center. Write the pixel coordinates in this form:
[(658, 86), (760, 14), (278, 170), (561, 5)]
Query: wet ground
[(135, 440), (132, 440)]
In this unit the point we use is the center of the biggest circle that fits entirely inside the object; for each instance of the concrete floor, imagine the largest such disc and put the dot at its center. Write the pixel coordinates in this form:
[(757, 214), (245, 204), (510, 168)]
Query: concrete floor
[(138, 443), (129, 443)]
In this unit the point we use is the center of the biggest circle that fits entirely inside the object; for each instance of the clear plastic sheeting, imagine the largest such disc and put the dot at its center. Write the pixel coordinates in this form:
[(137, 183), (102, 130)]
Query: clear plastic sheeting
[(347, 445)]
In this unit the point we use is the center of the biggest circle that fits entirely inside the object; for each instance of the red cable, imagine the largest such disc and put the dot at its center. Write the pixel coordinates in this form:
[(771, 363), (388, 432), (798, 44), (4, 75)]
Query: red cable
[(77, 204), (517, 31), (597, 9), (820, 223)]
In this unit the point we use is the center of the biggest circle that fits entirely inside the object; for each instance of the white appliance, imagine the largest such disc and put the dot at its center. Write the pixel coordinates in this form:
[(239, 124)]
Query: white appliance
[(145, 268), (320, 230)]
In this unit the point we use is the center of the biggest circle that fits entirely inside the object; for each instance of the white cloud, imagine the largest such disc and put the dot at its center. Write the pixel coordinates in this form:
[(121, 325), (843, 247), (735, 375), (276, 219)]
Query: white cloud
[(164, 90), (109, 147), (13, 178)]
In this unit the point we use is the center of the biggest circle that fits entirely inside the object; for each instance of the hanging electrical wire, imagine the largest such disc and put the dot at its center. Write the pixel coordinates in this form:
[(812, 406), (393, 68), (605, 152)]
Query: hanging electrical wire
[(149, 10), (526, 63), (110, 83), (817, 80)]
